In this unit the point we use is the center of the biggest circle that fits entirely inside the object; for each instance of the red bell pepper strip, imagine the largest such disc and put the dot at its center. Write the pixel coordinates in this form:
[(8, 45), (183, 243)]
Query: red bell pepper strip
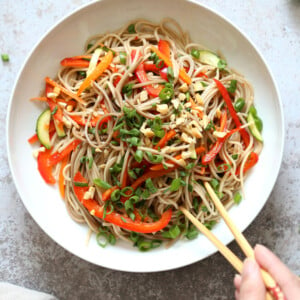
[(44, 167), (208, 157), (226, 97), (106, 195), (56, 157), (115, 218), (251, 161), (153, 68), (160, 167), (33, 139), (141, 75)]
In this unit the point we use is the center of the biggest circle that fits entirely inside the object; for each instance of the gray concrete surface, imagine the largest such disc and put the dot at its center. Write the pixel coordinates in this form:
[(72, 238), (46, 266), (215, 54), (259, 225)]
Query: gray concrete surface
[(30, 258)]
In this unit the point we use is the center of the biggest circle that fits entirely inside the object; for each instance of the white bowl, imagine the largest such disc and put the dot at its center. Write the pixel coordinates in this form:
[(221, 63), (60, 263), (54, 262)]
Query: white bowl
[(67, 39)]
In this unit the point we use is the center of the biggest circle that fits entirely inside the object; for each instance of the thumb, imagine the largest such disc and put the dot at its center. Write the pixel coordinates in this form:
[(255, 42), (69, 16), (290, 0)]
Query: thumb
[(252, 286)]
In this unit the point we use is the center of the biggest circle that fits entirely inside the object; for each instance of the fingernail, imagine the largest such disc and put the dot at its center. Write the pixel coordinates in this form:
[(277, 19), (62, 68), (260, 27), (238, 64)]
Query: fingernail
[(237, 276), (250, 266)]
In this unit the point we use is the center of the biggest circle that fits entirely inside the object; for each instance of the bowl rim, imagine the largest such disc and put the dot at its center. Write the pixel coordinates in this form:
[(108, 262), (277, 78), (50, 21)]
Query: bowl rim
[(75, 11)]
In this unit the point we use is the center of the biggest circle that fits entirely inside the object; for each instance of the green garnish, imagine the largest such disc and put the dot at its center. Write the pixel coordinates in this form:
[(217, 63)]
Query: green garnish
[(237, 198), (195, 53), (150, 186), (209, 225), (166, 94), (54, 110), (159, 63), (101, 183), (127, 89), (232, 87), (192, 233), (138, 155), (222, 64), (235, 156), (175, 185), (125, 190), (156, 158), (115, 195), (239, 104), (123, 57), (5, 57), (131, 28), (170, 74), (173, 232), (80, 184)]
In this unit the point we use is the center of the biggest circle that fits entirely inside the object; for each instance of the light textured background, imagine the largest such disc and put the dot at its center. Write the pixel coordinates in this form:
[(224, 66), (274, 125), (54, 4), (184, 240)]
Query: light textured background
[(30, 258)]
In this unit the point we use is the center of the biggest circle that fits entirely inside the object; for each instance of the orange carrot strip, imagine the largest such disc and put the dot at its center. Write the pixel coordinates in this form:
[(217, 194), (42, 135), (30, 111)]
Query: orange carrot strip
[(160, 167), (43, 99), (64, 90), (194, 106), (61, 179), (168, 136), (182, 73), (101, 67)]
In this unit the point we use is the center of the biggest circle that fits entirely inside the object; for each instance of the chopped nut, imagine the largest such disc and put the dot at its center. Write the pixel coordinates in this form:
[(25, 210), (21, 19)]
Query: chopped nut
[(204, 122), (144, 96), (116, 60), (69, 108), (87, 195), (181, 96), (188, 104), (199, 99), (196, 133), (181, 162), (219, 134), (180, 121), (198, 86), (185, 154), (162, 108), (62, 104), (187, 139), (92, 212), (175, 103), (92, 191), (56, 90), (106, 153), (183, 88), (95, 114), (98, 150), (52, 95), (148, 132)]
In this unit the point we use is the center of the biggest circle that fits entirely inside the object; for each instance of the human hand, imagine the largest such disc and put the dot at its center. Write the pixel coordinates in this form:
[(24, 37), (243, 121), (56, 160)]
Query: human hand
[(250, 285)]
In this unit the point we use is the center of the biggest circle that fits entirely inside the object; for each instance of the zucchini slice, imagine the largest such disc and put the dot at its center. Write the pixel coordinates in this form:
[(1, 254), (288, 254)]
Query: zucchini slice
[(59, 128), (209, 58), (253, 128), (42, 128)]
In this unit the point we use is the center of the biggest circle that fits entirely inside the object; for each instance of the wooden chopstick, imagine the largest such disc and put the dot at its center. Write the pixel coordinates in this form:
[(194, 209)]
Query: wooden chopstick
[(225, 251), (270, 283)]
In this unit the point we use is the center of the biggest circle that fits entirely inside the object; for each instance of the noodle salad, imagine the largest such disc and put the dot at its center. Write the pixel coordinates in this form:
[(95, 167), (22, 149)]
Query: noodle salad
[(133, 127)]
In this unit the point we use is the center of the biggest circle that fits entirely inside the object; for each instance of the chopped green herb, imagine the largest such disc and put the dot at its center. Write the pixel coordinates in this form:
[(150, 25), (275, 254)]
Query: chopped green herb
[(138, 155), (173, 233), (222, 64), (123, 220), (166, 94), (235, 156), (156, 158), (237, 198), (81, 73), (80, 184), (209, 225), (224, 167), (232, 87), (239, 104), (175, 185), (115, 195), (123, 58), (170, 74), (159, 63), (204, 208), (150, 186), (210, 126), (127, 89), (89, 46), (5, 57), (195, 53), (192, 233), (124, 191), (204, 84), (101, 183), (190, 188), (131, 28)]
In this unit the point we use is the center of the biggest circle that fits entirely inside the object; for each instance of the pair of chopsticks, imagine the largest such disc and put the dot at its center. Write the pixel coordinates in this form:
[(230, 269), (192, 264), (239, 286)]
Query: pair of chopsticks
[(273, 290)]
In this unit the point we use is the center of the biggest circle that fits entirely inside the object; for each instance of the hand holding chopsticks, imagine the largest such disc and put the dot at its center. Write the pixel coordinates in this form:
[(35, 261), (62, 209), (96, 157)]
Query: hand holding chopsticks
[(271, 285)]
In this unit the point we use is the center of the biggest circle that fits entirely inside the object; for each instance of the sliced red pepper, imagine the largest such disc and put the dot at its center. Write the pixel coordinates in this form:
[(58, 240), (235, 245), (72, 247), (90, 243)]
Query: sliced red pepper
[(142, 78), (56, 157), (33, 139), (163, 141), (106, 195), (208, 157), (115, 218), (226, 97), (44, 167), (153, 68), (164, 48), (251, 161)]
